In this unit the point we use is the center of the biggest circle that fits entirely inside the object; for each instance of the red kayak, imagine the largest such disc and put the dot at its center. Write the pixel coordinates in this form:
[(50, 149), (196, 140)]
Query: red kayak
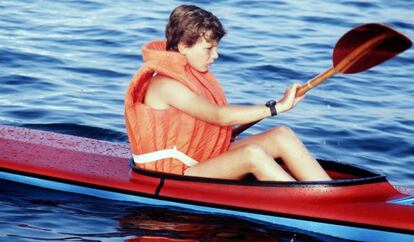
[(359, 204)]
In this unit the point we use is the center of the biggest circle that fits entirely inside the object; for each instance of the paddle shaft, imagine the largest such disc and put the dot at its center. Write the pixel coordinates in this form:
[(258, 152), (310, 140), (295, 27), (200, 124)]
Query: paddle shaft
[(315, 81)]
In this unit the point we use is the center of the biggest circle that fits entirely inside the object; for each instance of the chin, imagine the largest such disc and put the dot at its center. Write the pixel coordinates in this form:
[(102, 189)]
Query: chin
[(205, 69), (202, 68)]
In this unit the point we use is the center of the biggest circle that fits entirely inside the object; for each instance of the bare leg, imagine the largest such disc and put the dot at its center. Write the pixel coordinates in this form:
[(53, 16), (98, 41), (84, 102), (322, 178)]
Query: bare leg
[(282, 142), (239, 161)]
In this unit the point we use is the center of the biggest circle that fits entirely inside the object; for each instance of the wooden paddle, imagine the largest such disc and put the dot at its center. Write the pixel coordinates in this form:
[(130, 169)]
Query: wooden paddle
[(358, 50)]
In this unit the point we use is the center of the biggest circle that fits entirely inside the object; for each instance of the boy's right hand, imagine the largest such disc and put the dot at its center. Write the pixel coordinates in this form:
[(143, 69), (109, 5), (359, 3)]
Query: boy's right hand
[(289, 100)]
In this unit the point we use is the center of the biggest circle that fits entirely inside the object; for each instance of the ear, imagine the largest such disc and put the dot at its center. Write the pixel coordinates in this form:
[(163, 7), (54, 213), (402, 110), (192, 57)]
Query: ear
[(182, 48)]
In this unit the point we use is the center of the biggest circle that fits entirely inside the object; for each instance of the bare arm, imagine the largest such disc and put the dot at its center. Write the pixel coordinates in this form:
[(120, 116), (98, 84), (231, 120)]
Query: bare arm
[(165, 92)]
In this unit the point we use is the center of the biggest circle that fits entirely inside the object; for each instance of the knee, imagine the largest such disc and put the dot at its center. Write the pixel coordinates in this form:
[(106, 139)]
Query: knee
[(251, 150), (282, 133), (252, 154)]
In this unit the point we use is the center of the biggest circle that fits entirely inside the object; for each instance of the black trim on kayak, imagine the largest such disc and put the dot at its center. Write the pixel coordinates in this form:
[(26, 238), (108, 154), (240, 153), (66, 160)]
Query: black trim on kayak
[(365, 176), (159, 187), (204, 204)]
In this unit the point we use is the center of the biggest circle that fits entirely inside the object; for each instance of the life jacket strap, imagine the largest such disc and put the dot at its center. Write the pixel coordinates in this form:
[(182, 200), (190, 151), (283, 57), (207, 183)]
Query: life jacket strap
[(164, 154)]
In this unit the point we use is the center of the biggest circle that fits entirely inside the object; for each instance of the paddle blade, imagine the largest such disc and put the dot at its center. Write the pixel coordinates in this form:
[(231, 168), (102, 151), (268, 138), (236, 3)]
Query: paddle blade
[(366, 46)]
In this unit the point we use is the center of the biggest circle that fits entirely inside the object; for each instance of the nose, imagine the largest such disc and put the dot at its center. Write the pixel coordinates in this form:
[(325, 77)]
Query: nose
[(214, 53)]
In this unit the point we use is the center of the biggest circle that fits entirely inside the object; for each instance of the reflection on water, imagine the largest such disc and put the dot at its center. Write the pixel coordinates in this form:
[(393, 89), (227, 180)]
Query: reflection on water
[(152, 224)]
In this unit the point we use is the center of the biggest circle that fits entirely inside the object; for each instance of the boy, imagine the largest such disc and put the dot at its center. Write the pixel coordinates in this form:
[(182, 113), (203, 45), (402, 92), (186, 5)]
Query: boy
[(178, 120)]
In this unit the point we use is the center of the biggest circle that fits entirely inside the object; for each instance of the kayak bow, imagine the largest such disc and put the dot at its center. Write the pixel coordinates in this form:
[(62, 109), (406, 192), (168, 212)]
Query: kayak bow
[(359, 204)]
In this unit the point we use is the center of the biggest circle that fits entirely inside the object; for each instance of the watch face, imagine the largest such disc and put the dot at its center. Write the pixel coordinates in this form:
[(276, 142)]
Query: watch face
[(270, 103)]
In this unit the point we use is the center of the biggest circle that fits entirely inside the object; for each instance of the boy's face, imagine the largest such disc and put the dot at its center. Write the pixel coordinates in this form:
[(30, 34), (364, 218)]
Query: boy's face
[(201, 55)]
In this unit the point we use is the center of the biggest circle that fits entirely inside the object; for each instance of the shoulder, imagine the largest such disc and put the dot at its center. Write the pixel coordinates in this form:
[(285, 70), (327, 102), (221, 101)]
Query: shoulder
[(165, 83), (164, 91), (162, 80)]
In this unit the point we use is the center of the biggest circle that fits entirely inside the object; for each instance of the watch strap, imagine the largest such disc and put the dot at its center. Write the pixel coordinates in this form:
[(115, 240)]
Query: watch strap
[(273, 110), (271, 104)]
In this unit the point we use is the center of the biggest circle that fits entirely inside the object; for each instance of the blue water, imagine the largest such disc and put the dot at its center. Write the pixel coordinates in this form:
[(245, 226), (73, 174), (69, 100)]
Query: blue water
[(65, 66)]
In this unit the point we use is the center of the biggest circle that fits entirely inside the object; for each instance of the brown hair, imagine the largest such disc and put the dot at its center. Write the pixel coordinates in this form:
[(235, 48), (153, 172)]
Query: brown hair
[(188, 23)]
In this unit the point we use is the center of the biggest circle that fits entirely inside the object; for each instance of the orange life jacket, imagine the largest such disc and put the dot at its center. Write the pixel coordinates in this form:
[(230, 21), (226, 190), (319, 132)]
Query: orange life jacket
[(152, 130)]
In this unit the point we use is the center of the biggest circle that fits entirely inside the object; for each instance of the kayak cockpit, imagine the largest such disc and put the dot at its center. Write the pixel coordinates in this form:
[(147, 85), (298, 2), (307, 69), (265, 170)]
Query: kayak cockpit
[(341, 173)]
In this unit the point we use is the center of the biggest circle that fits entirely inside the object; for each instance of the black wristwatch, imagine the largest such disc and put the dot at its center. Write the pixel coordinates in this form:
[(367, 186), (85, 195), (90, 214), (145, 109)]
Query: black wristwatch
[(271, 104)]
